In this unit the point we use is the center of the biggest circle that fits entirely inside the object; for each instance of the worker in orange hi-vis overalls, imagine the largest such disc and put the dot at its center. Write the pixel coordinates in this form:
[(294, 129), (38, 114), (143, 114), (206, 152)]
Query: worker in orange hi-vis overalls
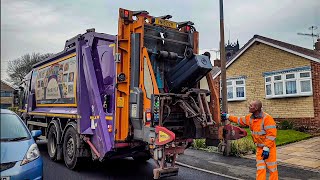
[(264, 132)]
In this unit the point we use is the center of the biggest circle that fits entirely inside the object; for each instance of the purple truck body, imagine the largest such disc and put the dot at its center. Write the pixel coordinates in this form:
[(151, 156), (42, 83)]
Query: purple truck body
[(95, 79)]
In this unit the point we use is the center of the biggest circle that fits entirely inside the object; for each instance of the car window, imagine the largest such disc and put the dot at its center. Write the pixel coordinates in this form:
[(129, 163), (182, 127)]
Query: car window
[(12, 128)]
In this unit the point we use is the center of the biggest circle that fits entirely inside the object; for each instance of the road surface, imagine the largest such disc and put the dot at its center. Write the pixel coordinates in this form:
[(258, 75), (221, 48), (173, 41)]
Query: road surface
[(117, 169)]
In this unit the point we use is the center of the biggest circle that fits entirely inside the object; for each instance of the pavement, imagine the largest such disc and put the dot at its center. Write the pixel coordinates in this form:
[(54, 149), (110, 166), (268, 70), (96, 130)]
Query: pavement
[(303, 154), (295, 161)]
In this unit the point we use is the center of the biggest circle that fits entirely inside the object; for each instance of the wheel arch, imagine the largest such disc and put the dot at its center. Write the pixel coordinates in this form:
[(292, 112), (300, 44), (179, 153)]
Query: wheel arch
[(55, 122)]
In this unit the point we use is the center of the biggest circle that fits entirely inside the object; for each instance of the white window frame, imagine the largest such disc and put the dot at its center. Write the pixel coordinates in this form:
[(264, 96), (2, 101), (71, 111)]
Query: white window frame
[(234, 87), (296, 78)]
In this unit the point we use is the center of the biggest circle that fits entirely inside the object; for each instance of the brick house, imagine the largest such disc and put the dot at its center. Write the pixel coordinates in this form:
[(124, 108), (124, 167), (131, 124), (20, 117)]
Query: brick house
[(285, 77), (7, 95)]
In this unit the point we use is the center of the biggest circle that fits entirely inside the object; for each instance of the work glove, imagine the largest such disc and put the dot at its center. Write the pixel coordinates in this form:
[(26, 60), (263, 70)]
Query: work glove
[(265, 153), (224, 116)]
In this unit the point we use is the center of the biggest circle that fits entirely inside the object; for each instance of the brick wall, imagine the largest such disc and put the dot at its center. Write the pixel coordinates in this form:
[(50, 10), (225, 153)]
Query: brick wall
[(315, 67), (260, 58), (6, 100)]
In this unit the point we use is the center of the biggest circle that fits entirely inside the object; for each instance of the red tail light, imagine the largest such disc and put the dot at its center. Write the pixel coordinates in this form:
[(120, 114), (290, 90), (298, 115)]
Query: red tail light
[(148, 115), (126, 13), (188, 28)]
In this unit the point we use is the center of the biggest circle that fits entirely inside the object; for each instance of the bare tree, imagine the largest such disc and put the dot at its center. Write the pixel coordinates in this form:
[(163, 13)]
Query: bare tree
[(19, 68)]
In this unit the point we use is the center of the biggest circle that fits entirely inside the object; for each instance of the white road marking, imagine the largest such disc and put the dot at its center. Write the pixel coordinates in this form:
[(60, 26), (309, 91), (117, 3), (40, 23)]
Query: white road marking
[(207, 171)]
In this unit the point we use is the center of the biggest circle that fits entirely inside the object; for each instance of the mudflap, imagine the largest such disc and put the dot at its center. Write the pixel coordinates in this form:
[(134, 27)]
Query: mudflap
[(165, 172)]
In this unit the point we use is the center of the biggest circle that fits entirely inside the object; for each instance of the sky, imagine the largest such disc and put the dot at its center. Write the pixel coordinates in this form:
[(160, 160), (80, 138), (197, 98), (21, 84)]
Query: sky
[(43, 26)]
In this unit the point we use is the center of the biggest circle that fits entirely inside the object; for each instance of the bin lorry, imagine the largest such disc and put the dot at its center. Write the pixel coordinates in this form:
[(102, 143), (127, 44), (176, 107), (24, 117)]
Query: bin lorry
[(135, 94)]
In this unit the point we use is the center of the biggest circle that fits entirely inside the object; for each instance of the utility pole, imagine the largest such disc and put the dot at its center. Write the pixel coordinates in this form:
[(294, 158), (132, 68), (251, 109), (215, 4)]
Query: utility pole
[(227, 144)]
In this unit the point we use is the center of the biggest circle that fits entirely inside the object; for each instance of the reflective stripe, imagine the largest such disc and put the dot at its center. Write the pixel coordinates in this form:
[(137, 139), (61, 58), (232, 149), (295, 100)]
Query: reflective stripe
[(260, 145), (270, 127), (240, 120), (261, 167), (258, 132), (272, 138), (243, 120), (271, 163), (262, 130), (273, 169), (259, 162)]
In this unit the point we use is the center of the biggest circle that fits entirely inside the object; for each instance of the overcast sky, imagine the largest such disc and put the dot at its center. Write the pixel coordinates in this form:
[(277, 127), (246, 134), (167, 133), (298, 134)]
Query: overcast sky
[(44, 25)]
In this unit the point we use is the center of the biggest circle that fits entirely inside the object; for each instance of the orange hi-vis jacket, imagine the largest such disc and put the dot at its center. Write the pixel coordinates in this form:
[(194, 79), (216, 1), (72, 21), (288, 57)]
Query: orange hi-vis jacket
[(264, 133), (263, 128)]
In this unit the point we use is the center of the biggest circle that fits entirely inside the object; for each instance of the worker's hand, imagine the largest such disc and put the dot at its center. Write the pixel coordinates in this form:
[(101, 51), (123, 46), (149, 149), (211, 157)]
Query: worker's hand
[(224, 116), (265, 153)]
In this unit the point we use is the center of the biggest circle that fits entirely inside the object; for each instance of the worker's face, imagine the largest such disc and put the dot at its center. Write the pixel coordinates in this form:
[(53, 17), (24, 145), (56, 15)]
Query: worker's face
[(253, 107)]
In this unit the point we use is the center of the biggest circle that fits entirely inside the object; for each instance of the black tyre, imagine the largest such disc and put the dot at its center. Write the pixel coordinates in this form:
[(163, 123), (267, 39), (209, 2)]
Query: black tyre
[(52, 143), (141, 156), (70, 148)]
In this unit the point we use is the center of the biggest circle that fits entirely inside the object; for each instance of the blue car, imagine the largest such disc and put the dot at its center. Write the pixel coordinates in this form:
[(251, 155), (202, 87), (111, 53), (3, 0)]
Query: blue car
[(20, 156)]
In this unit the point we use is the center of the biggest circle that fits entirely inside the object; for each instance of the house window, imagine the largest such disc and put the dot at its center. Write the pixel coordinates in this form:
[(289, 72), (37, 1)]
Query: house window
[(288, 84), (6, 94), (236, 90)]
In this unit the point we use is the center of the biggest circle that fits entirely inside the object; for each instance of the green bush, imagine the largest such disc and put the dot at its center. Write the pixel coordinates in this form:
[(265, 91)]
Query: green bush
[(14, 109), (242, 146), (284, 125), (199, 143)]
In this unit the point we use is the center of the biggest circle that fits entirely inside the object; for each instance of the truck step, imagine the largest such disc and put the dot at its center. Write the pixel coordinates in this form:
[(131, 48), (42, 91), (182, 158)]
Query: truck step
[(165, 172)]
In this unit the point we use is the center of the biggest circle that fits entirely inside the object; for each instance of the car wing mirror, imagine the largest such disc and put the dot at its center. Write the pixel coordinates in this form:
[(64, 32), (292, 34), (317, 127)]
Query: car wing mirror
[(36, 133)]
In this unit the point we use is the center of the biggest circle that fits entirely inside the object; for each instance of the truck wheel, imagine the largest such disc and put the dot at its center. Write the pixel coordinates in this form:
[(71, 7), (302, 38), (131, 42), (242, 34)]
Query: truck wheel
[(141, 156), (52, 143), (141, 159), (70, 148)]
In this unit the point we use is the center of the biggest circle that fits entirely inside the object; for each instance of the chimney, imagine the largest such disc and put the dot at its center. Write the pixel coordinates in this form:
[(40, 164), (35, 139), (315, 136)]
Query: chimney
[(317, 45), (217, 62)]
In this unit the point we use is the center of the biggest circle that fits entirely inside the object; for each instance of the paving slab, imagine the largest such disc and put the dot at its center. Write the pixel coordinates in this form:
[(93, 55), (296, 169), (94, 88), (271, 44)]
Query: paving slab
[(304, 154), (295, 149), (281, 157), (307, 162)]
